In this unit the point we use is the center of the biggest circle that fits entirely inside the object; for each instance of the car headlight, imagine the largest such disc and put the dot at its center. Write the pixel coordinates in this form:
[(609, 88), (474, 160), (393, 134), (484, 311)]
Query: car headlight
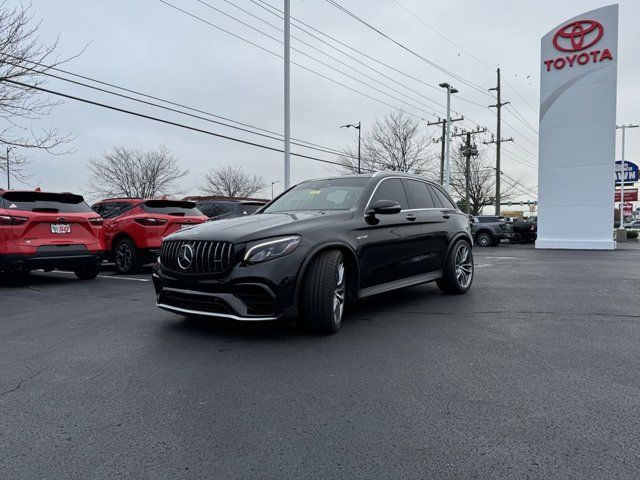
[(267, 249)]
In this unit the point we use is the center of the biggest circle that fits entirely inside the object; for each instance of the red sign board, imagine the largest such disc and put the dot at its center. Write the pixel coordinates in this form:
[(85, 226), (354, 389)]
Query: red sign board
[(627, 209), (630, 195)]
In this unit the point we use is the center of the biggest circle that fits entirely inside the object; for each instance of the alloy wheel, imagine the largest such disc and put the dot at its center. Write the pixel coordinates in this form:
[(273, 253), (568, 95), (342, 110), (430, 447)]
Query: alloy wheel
[(484, 240), (339, 294), (464, 265), (123, 257)]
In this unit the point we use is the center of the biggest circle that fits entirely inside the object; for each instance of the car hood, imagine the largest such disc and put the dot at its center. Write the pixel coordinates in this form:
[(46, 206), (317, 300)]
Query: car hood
[(255, 227)]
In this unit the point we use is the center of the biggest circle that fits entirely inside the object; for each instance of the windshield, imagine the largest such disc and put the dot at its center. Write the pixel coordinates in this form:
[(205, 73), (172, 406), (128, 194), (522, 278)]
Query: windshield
[(330, 194)]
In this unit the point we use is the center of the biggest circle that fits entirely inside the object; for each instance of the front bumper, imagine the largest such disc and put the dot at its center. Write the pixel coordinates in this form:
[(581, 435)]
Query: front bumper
[(260, 292), (502, 234)]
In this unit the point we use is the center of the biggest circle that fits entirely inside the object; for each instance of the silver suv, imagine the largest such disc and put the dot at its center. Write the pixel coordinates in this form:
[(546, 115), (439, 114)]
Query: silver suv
[(489, 230)]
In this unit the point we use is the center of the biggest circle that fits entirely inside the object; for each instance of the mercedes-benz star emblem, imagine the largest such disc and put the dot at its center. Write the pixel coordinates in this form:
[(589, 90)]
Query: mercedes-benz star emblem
[(185, 256)]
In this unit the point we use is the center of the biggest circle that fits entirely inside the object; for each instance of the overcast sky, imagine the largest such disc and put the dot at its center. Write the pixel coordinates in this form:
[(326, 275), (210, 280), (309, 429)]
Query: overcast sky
[(147, 46)]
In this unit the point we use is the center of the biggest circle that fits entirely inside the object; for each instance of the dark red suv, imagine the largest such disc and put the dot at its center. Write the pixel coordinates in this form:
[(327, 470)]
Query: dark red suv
[(134, 227), (49, 231)]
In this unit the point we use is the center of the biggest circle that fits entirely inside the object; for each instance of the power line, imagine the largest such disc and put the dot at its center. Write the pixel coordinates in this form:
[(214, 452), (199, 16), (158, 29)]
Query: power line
[(512, 107), (266, 6), (302, 143), (323, 53), (167, 122), (292, 62), (441, 34), (404, 47), (336, 49), (518, 116)]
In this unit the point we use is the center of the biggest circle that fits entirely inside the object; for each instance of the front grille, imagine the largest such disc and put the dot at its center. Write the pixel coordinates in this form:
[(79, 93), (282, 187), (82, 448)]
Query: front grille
[(198, 303), (208, 257)]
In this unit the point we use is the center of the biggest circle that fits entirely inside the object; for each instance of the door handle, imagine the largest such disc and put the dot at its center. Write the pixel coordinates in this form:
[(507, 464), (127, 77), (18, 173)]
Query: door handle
[(411, 217), (446, 215)]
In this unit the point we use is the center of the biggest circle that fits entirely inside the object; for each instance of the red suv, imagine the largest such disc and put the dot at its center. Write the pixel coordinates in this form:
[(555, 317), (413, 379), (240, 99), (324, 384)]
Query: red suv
[(134, 227), (49, 230)]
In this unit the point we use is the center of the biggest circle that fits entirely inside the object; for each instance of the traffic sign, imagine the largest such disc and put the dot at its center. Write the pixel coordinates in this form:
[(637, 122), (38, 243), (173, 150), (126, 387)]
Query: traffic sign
[(630, 195), (630, 172)]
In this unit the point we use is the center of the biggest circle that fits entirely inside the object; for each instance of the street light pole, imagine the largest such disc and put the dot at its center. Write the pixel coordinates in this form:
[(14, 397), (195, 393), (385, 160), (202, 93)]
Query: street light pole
[(287, 92), (357, 127), (624, 129), (8, 173), (273, 182), (447, 147)]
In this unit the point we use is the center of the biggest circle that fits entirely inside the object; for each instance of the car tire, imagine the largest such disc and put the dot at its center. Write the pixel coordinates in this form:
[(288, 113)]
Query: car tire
[(484, 239), (125, 257), (458, 269), (88, 272), (324, 293)]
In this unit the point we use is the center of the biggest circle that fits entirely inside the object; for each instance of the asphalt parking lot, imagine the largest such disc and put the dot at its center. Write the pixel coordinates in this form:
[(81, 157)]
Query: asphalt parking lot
[(532, 374)]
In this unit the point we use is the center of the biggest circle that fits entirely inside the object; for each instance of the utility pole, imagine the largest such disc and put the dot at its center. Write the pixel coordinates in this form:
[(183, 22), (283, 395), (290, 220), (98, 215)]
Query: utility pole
[(287, 92), (447, 164), (624, 129), (469, 151), (443, 122), (498, 140)]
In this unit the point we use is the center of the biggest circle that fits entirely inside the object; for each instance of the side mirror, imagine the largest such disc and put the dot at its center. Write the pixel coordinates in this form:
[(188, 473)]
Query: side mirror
[(385, 207)]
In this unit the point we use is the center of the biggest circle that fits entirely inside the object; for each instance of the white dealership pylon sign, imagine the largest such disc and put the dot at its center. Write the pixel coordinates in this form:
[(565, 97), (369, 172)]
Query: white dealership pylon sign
[(578, 80)]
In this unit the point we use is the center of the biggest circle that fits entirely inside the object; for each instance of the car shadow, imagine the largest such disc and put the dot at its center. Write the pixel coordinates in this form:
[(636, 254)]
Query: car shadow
[(366, 310), (110, 268), (34, 279)]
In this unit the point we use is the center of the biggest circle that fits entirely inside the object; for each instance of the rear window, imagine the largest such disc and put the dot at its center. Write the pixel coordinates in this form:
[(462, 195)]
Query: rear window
[(171, 207), (45, 202), (112, 209), (249, 208), (215, 209)]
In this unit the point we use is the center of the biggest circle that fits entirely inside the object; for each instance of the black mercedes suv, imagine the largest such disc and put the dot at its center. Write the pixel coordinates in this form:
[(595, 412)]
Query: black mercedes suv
[(317, 246)]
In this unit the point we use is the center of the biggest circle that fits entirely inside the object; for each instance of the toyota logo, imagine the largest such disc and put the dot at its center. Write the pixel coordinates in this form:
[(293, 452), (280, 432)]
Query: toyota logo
[(185, 256), (576, 36)]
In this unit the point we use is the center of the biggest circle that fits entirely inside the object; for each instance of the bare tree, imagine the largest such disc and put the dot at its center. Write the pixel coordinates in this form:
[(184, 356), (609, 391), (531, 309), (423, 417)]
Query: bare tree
[(25, 59), (482, 180), (231, 181), (132, 173), (395, 142)]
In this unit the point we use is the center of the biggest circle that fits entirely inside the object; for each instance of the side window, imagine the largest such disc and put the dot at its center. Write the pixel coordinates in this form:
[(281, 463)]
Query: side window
[(443, 198), (111, 209), (418, 193), (216, 209), (98, 207), (391, 189)]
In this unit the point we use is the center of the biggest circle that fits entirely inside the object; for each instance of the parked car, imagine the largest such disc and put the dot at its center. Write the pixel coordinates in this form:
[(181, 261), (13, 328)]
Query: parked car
[(134, 228), (489, 230), (318, 245), (46, 230), (525, 231), (632, 225), (217, 208)]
